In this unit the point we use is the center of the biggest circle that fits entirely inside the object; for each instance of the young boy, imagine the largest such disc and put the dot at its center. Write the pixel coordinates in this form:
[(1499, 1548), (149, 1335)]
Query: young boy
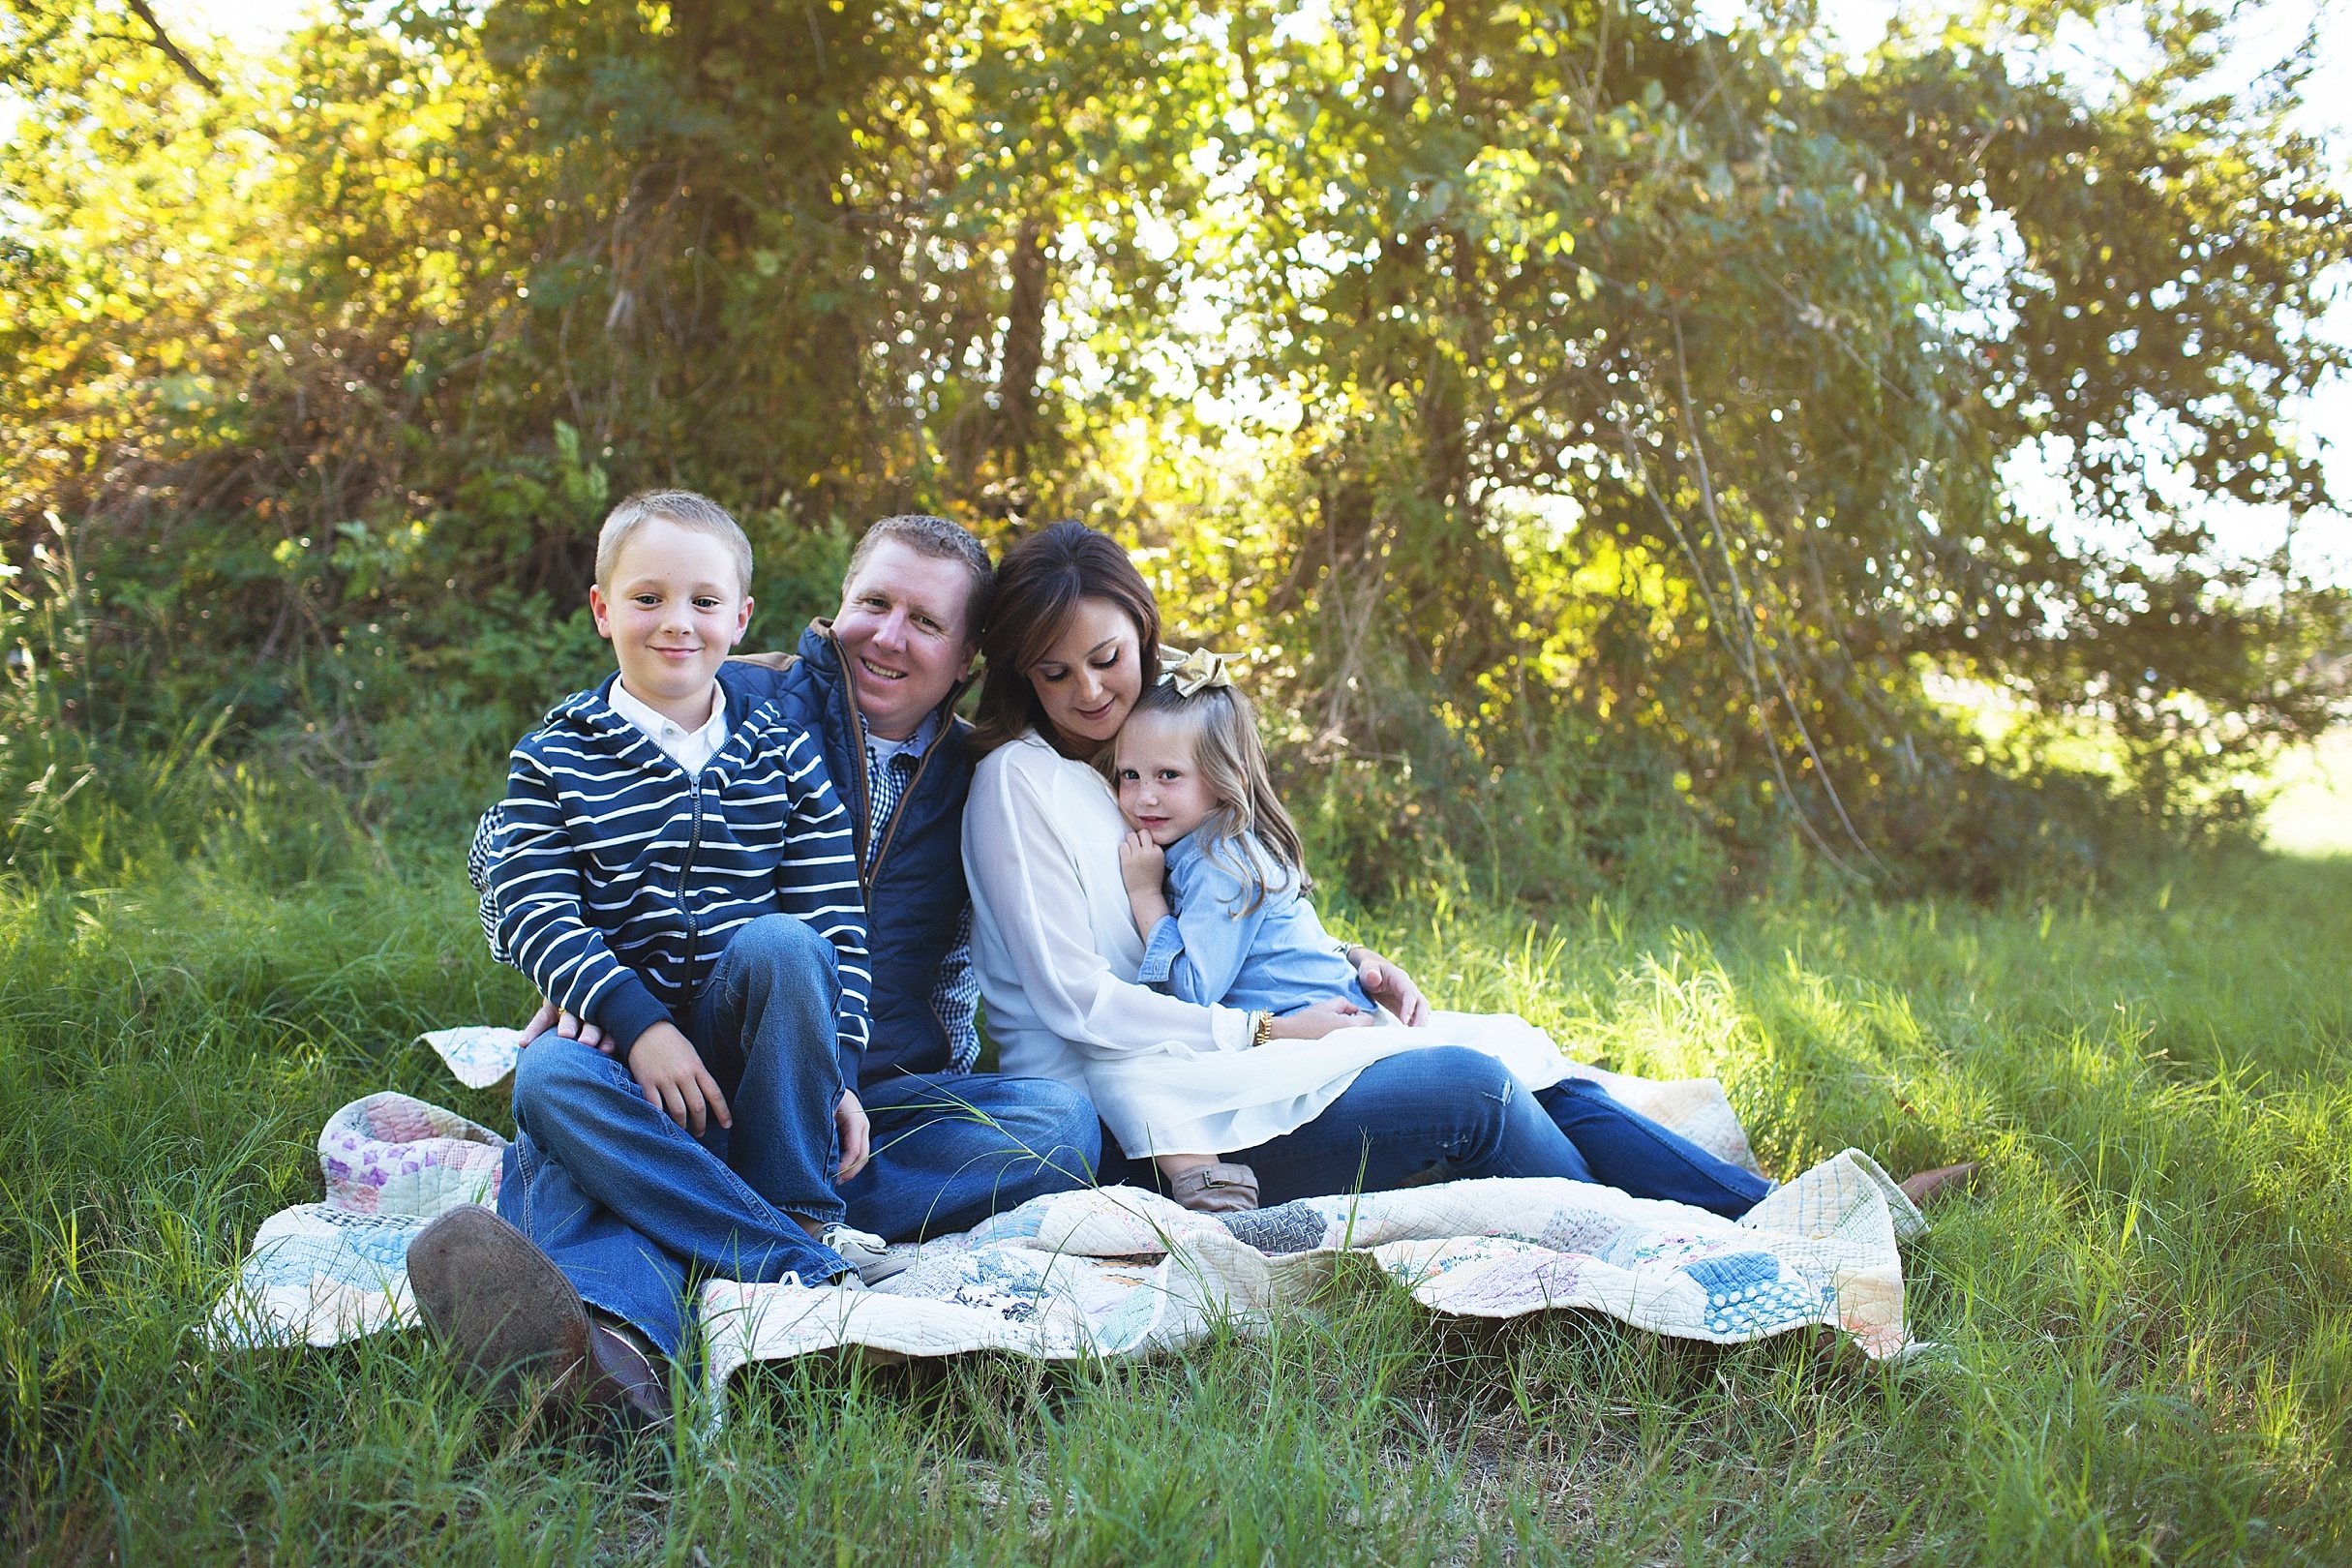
[(677, 868)]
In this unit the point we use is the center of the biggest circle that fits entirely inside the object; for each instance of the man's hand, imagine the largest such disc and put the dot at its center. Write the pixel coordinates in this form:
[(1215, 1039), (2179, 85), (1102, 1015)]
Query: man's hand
[(1314, 1022), (567, 1026), (670, 1073), (1389, 986), (857, 1136)]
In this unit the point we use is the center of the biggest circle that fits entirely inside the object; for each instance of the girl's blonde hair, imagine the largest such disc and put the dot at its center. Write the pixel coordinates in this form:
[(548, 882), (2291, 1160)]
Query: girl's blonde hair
[(1232, 762)]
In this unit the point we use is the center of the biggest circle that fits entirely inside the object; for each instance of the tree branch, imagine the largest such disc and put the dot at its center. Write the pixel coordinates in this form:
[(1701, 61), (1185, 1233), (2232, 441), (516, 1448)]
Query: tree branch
[(171, 51)]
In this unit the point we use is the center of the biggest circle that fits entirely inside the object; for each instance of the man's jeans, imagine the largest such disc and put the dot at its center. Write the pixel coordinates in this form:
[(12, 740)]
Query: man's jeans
[(954, 1149), (632, 1207), (1451, 1112)]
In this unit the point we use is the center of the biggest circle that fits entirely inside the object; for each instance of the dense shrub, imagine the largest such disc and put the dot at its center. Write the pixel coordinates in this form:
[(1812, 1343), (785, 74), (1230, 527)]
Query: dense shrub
[(1588, 419)]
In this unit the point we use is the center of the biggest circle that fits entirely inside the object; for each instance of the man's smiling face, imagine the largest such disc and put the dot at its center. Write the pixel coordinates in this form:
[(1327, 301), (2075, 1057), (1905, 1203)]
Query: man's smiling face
[(905, 637)]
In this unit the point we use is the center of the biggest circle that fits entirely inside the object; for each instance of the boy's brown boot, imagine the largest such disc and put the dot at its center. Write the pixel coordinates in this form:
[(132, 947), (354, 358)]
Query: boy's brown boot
[(506, 1311)]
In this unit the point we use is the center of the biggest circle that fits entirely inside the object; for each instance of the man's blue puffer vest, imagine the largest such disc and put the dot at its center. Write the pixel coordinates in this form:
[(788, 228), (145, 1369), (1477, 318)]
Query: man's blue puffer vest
[(915, 896)]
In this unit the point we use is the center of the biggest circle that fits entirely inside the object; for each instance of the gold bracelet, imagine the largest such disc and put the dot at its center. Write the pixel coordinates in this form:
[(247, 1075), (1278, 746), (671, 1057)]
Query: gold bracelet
[(1262, 1030)]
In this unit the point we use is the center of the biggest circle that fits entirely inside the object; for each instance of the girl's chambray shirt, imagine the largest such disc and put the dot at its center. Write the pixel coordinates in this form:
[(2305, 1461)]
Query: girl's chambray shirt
[(1276, 957)]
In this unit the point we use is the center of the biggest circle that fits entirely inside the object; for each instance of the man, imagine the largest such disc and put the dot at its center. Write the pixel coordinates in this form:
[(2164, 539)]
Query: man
[(879, 684)]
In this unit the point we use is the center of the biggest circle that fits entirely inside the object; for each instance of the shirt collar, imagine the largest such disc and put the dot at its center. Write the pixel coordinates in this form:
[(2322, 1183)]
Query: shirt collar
[(917, 743), (1194, 846), (1184, 850), (653, 722)]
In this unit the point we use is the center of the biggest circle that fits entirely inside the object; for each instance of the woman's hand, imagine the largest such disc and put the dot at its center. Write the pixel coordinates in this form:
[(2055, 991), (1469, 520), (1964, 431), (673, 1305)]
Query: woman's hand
[(550, 1016), (1314, 1022), (1389, 986)]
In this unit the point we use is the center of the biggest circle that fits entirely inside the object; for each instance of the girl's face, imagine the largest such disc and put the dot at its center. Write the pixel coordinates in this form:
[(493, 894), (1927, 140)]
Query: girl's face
[(1160, 790), (1091, 674)]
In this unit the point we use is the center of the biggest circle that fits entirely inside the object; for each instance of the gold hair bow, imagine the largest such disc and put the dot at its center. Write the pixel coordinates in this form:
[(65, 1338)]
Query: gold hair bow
[(1192, 672)]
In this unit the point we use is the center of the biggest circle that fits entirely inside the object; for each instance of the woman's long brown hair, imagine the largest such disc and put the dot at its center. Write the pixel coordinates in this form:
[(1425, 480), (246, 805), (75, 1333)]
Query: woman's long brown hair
[(1038, 584)]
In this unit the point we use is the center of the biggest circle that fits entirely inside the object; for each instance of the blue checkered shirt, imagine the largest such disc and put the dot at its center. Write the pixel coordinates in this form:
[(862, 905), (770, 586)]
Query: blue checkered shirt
[(956, 994)]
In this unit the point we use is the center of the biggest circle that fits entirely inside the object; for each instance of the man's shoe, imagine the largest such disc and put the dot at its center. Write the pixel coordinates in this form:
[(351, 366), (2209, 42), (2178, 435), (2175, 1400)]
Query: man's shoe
[(866, 1252), (1945, 1181), (498, 1303)]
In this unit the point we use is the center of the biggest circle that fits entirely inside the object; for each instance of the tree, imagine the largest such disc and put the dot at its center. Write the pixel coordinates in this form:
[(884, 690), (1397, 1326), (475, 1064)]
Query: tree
[(1720, 300), (1632, 393)]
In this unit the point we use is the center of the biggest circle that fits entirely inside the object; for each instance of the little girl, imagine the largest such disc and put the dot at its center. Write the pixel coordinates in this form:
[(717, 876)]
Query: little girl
[(1213, 871)]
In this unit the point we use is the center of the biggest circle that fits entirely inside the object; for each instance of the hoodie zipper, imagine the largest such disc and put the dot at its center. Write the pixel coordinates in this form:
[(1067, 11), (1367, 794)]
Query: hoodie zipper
[(685, 868), (694, 835), (865, 781)]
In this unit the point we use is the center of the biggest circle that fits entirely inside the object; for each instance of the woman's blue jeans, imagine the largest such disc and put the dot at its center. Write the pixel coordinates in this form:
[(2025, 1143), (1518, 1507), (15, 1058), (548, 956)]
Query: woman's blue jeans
[(629, 1204), (1451, 1112)]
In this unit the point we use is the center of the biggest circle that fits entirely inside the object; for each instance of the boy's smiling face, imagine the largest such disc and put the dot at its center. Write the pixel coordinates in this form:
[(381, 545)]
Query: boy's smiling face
[(1160, 790), (673, 611)]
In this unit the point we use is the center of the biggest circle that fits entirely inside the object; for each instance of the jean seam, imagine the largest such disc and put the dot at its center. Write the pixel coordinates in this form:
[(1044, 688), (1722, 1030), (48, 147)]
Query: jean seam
[(523, 1173)]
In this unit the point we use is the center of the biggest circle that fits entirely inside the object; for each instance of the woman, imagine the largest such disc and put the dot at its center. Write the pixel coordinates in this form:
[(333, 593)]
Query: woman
[(1071, 638)]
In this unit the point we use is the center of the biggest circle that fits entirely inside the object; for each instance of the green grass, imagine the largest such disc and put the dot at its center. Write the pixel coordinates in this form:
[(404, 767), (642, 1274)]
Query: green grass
[(2149, 1317)]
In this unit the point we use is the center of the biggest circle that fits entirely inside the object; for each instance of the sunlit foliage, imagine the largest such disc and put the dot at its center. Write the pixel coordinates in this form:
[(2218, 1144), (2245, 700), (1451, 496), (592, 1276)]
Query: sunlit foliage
[(1569, 408)]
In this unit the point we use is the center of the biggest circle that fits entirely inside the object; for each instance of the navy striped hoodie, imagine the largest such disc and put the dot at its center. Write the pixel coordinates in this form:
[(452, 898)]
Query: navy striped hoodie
[(616, 880)]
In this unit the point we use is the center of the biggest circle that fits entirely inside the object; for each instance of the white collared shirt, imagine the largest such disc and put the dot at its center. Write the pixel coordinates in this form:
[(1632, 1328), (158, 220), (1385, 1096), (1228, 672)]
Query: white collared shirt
[(690, 749), (879, 751)]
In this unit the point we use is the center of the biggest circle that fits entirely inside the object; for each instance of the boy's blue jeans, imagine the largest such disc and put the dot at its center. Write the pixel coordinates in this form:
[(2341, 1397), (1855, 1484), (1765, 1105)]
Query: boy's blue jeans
[(631, 1206)]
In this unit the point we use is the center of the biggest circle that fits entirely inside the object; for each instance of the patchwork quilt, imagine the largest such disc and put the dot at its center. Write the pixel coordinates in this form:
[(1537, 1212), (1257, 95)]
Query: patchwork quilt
[(1118, 1271)]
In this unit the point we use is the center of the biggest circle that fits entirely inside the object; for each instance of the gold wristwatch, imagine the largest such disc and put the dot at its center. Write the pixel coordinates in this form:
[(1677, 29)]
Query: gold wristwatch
[(1262, 1030)]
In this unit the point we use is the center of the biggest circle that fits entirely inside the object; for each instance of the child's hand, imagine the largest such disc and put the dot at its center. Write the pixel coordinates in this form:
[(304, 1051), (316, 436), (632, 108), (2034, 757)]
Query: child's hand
[(670, 1072), (1143, 863), (1142, 867)]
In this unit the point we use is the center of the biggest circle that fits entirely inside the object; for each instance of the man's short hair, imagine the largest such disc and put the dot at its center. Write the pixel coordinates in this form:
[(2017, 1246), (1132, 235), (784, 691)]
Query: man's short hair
[(683, 507), (943, 540)]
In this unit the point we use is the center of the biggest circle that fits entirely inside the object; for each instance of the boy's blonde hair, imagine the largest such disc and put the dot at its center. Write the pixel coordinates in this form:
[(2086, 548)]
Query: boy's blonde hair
[(1223, 730), (688, 510)]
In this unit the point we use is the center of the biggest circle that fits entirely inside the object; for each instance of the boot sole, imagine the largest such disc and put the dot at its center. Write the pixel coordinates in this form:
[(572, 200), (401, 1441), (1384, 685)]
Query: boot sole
[(498, 1303)]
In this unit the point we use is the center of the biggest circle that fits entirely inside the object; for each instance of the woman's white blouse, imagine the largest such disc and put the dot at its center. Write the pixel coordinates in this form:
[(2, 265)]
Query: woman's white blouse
[(1057, 951), (1052, 939)]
